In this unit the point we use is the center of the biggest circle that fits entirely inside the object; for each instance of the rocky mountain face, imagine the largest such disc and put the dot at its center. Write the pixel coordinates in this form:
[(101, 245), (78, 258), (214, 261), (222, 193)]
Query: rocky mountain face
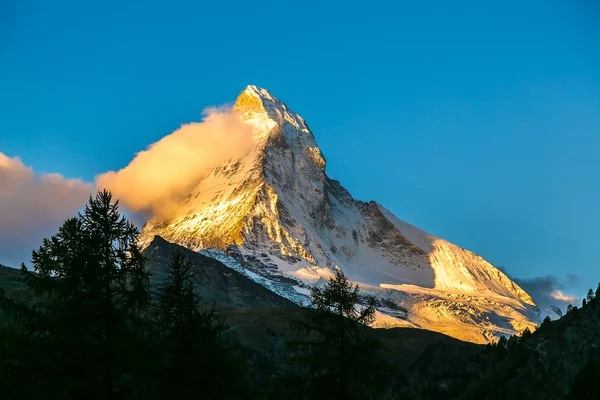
[(275, 216)]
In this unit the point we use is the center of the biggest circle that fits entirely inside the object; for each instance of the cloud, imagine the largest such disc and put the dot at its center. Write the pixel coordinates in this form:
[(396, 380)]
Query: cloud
[(549, 290), (33, 206), (160, 176), (559, 295)]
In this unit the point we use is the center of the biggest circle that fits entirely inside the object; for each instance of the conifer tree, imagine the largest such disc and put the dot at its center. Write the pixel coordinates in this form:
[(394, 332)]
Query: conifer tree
[(570, 308), (590, 296), (195, 362), (333, 357), (90, 288)]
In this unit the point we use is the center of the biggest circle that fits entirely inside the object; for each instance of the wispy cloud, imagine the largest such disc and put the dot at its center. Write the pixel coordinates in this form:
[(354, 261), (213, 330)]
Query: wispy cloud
[(550, 290), (559, 295), (32, 206), (157, 178)]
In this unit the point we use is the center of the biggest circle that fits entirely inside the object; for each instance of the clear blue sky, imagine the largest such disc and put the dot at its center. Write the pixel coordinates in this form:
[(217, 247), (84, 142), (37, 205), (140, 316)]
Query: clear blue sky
[(477, 121)]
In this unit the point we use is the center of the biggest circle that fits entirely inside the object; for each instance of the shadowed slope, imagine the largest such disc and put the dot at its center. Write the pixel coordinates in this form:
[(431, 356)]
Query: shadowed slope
[(275, 214), (217, 284)]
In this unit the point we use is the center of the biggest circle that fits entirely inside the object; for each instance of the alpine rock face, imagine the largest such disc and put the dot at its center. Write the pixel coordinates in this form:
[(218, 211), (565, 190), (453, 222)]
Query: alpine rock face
[(275, 216)]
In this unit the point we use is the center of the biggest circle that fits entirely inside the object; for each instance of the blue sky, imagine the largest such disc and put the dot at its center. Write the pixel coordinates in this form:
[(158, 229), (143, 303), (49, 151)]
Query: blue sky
[(478, 121)]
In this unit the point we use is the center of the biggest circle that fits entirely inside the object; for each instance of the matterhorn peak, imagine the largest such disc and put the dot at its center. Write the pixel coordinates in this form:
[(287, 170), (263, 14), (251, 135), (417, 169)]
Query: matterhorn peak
[(260, 93), (277, 125), (276, 216), (257, 103), (255, 99), (250, 101)]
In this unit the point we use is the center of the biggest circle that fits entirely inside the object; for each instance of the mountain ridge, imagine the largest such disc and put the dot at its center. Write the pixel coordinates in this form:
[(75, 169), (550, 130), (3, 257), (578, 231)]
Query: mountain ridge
[(275, 214)]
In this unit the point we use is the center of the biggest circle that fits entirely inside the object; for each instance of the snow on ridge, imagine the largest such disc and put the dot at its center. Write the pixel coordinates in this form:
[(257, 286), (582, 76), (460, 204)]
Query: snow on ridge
[(476, 277), (276, 217), (261, 93)]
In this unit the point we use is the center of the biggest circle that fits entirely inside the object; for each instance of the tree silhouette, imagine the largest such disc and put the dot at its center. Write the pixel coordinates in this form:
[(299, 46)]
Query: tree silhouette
[(194, 359), (333, 357), (590, 296), (90, 285), (570, 308)]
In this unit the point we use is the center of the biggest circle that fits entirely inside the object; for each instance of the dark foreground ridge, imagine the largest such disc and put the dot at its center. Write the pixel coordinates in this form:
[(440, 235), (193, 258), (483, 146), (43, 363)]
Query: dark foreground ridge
[(216, 283), (259, 321)]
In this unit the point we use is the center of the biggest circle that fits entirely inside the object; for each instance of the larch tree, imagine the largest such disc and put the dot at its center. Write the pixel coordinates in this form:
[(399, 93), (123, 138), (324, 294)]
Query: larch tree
[(195, 358), (332, 354), (90, 287)]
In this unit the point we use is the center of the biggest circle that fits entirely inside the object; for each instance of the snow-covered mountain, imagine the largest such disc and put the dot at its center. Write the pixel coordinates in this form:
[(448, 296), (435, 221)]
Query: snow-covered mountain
[(276, 216)]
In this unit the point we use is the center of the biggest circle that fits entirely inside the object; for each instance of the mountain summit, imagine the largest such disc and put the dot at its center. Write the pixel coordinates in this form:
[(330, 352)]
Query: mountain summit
[(276, 216)]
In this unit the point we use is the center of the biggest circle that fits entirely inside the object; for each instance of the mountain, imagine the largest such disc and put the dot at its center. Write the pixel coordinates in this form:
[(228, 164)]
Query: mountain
[(216, 284), (261, 320), (559, 361), (275, 216)]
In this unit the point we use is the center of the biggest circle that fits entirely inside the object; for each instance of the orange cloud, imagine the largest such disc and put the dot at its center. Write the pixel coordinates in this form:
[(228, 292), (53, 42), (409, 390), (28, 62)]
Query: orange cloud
[(157, 178), (558, 295)]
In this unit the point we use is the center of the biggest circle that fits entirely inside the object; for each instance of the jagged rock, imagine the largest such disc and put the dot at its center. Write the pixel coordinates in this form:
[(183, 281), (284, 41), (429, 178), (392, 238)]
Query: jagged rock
[(275, 214)]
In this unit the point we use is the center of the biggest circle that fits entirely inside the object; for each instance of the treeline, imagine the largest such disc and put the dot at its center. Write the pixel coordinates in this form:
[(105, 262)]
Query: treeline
[(560, 360), (93, 327), (88, 324)]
